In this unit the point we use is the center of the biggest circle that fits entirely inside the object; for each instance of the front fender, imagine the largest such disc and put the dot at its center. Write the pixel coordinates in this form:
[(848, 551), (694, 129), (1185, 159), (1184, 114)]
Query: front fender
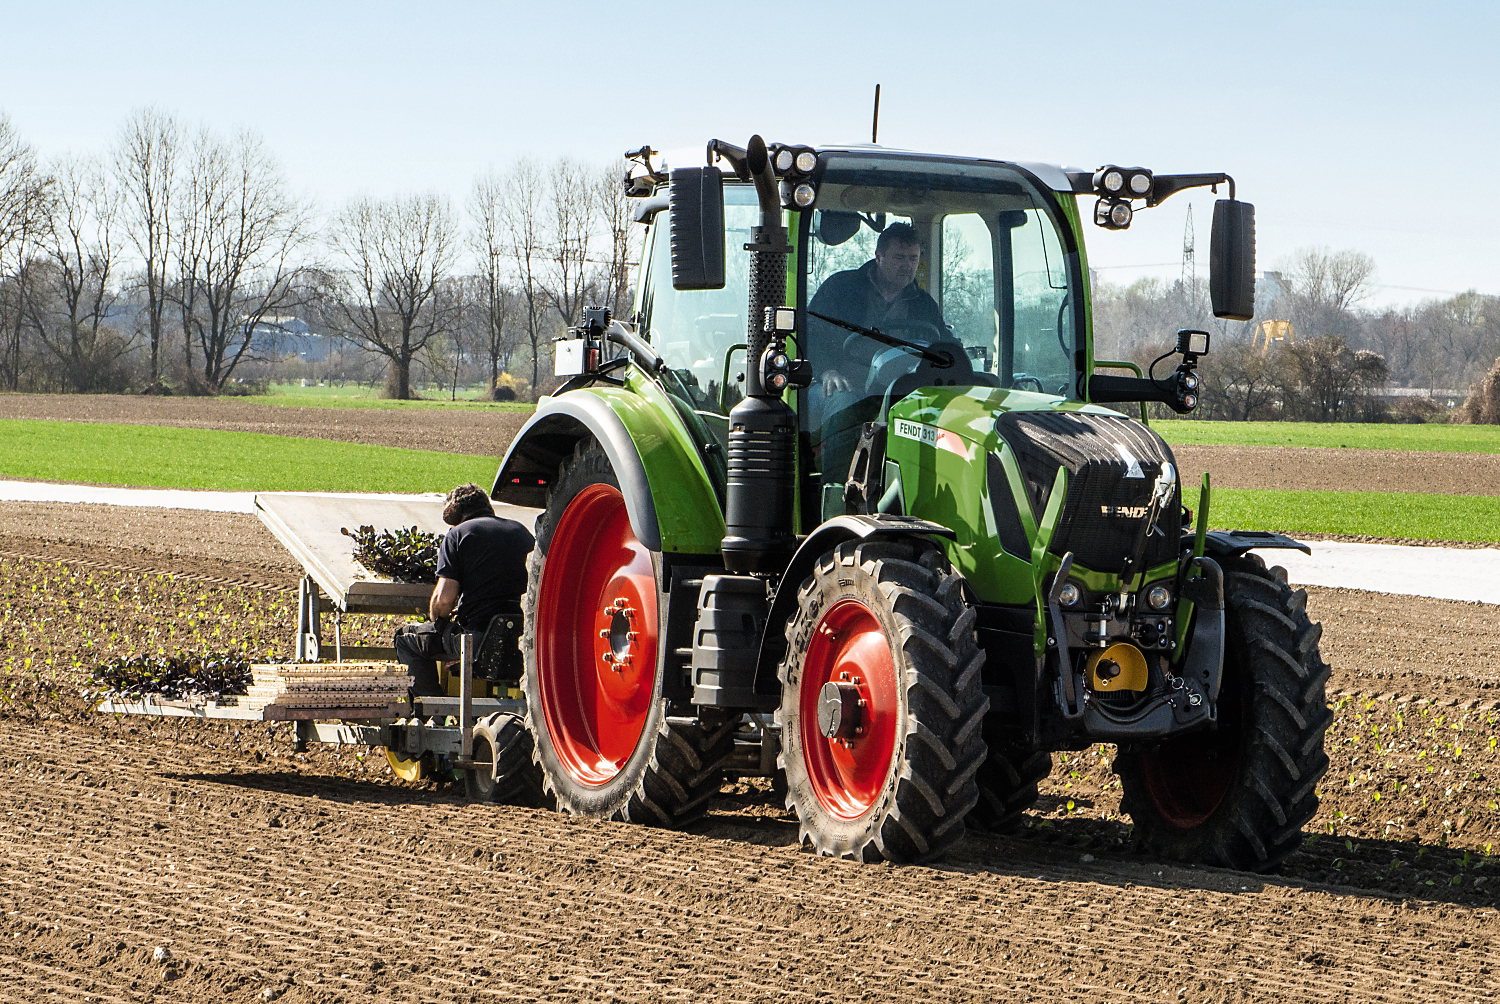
[(825, 538), (668, 495)]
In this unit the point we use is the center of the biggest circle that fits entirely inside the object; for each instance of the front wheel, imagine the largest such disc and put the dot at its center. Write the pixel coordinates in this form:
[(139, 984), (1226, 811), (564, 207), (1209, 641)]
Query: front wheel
[(1238, 796), (882, 704), (594, 705)]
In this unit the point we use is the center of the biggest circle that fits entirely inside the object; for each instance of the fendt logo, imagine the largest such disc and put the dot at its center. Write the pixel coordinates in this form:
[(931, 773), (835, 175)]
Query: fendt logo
[(916, 430), (1124, 511)]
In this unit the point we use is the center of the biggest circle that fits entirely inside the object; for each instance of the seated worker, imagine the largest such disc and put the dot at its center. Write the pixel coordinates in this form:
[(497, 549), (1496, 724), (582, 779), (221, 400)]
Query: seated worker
[(882, 293), (481, 570)]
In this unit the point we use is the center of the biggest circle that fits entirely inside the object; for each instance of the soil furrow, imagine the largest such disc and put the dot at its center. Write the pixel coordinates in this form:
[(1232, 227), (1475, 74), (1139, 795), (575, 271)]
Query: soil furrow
[(944, 908)]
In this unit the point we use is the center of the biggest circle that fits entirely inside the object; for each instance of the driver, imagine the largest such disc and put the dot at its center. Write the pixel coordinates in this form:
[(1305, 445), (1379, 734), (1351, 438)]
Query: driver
[(878, 294), (882, 293)]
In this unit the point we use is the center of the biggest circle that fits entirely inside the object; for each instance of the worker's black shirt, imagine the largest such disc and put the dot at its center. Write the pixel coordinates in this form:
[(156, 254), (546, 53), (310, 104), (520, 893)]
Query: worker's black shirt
[(487, 557)]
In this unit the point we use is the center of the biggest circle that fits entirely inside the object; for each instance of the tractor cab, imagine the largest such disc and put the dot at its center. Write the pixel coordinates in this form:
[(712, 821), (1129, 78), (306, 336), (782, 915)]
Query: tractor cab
[(992, 288)]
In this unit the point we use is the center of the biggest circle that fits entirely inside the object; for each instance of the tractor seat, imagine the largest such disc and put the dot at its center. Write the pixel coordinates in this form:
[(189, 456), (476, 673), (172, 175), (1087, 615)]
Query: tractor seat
[(497, 654)]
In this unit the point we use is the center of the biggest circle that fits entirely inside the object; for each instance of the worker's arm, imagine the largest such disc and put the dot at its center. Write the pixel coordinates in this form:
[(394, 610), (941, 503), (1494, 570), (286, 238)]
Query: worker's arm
[(444, 599)]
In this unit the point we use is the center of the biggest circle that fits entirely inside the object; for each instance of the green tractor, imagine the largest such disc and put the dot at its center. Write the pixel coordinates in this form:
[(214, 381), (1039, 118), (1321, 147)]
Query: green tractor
[(896, 564)]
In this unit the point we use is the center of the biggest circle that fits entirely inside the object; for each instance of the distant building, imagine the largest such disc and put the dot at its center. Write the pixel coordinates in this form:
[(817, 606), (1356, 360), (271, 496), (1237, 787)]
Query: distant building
[(287, 335)]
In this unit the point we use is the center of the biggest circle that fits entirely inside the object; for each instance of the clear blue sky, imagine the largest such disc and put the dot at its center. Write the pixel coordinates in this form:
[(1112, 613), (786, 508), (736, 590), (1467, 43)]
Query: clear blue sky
[(1369, 125)]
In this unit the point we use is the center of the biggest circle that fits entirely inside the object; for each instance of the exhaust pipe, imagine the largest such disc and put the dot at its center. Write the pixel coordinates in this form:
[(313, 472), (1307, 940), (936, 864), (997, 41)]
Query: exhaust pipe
[(763, 427)]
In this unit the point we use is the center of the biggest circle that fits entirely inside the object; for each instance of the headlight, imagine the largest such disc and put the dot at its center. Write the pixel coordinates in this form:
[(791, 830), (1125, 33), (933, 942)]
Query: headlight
[(784, 160), (1113, 182), (1140, 184), (1157, 597), (1069, 595), (1120, 214), (806, 161), (803, 195)]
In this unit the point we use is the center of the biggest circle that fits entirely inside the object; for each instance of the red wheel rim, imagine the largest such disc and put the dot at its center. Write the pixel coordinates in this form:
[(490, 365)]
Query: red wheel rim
[(596, 636), (850, 647), (1187, 779)]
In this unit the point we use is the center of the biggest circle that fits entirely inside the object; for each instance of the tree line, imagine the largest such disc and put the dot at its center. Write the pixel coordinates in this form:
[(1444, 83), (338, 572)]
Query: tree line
[(161, 262), (1314, 351)]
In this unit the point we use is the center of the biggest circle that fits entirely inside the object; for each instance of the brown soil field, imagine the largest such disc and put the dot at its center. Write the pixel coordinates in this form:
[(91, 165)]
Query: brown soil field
[(482, 431), (1314, 468), (268, 874)]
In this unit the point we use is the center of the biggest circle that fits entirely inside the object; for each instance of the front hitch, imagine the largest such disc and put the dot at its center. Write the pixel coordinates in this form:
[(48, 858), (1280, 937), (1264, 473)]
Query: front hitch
[(1191, 699)]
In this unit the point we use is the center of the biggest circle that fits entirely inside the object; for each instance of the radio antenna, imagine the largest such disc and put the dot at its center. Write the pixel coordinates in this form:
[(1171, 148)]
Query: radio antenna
[(875, 121)]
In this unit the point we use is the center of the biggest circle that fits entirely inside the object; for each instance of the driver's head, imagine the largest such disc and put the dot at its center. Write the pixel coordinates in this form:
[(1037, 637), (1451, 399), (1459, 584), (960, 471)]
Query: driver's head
[(897, 255)]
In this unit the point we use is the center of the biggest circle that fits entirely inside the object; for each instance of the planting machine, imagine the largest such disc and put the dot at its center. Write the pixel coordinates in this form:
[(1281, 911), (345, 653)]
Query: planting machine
[(902, 591)]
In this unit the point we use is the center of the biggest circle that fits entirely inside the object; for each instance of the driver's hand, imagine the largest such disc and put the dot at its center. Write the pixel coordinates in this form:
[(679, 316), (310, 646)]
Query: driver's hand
[(835, 382)]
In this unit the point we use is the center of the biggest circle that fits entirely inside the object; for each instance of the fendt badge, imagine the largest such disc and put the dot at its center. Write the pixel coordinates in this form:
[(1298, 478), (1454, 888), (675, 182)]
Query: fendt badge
[(1127, 511)]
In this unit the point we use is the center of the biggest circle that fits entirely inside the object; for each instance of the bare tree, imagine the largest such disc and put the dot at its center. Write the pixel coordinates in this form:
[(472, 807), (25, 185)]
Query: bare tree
[(24, 195), (145, 164), (1242, 383), (239, 234), (612, 209), (397, 253), (573, 225), (82, 256), (497, 300), (522, 203), (1333, 379), (1325, 287)]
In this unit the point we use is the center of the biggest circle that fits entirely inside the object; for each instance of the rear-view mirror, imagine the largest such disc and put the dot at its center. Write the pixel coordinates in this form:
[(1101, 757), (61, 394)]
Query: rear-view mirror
[(1231, 260), (697, 207)]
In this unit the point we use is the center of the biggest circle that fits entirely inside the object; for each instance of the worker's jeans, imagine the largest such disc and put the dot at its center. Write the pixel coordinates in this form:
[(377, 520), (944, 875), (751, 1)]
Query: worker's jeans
[(419, 646)]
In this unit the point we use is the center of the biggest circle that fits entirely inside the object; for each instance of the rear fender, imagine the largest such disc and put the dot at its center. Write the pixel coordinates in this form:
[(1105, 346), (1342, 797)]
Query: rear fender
[(822, 540), (668, 495)]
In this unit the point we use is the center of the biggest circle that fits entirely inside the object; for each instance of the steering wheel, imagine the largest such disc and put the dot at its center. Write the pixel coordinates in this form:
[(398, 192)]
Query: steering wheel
[(1020, 379)]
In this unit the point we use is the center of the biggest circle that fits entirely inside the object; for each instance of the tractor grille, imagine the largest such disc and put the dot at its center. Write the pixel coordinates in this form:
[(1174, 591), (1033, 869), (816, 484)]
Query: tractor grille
[(1097, 524)]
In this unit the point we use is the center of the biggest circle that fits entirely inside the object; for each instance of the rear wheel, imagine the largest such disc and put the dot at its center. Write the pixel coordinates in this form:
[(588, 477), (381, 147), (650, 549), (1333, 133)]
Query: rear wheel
[(881, 703), (594, 705), (1007, 785), (1238, 796), (502, 742)]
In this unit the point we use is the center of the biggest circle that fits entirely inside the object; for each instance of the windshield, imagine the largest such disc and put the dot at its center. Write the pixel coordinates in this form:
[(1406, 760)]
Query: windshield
[(971, 256)]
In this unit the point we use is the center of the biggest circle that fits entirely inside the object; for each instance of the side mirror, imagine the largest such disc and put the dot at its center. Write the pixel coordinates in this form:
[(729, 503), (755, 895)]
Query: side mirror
[(1231, 260), (697, 205)]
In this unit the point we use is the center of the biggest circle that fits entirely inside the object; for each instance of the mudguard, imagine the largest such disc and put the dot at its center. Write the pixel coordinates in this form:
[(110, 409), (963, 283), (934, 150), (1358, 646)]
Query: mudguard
[(670, 500), (826, 537), (1232, 544)]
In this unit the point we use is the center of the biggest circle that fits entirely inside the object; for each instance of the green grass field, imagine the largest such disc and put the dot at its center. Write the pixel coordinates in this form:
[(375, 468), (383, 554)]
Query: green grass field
[(153, 457), (1362, 436), (1468, 518), (359, 396)]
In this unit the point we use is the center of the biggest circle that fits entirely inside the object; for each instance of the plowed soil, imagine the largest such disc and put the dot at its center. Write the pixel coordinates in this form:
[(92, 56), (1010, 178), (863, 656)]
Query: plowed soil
[(482, 431), (268, 874)]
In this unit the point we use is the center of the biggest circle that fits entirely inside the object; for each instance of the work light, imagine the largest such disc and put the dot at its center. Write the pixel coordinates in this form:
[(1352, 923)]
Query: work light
[(1113, 213)]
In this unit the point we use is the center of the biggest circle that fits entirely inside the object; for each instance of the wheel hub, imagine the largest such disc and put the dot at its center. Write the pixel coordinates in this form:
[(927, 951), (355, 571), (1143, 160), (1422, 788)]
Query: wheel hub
[(839, 706)]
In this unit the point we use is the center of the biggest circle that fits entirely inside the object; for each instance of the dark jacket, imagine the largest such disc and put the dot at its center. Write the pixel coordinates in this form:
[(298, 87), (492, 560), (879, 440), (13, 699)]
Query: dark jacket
[(853, 296)]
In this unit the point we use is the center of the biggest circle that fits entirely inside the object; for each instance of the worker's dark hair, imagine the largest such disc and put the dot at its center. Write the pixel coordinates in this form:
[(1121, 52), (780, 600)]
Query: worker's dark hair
[(897, 233), (466, 502)]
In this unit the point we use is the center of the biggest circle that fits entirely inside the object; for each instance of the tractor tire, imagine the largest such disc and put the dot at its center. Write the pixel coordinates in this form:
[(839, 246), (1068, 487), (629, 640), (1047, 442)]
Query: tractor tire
[(1007, 785), (1238, 796), (593, 683), (501, 740), (882, 632)]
